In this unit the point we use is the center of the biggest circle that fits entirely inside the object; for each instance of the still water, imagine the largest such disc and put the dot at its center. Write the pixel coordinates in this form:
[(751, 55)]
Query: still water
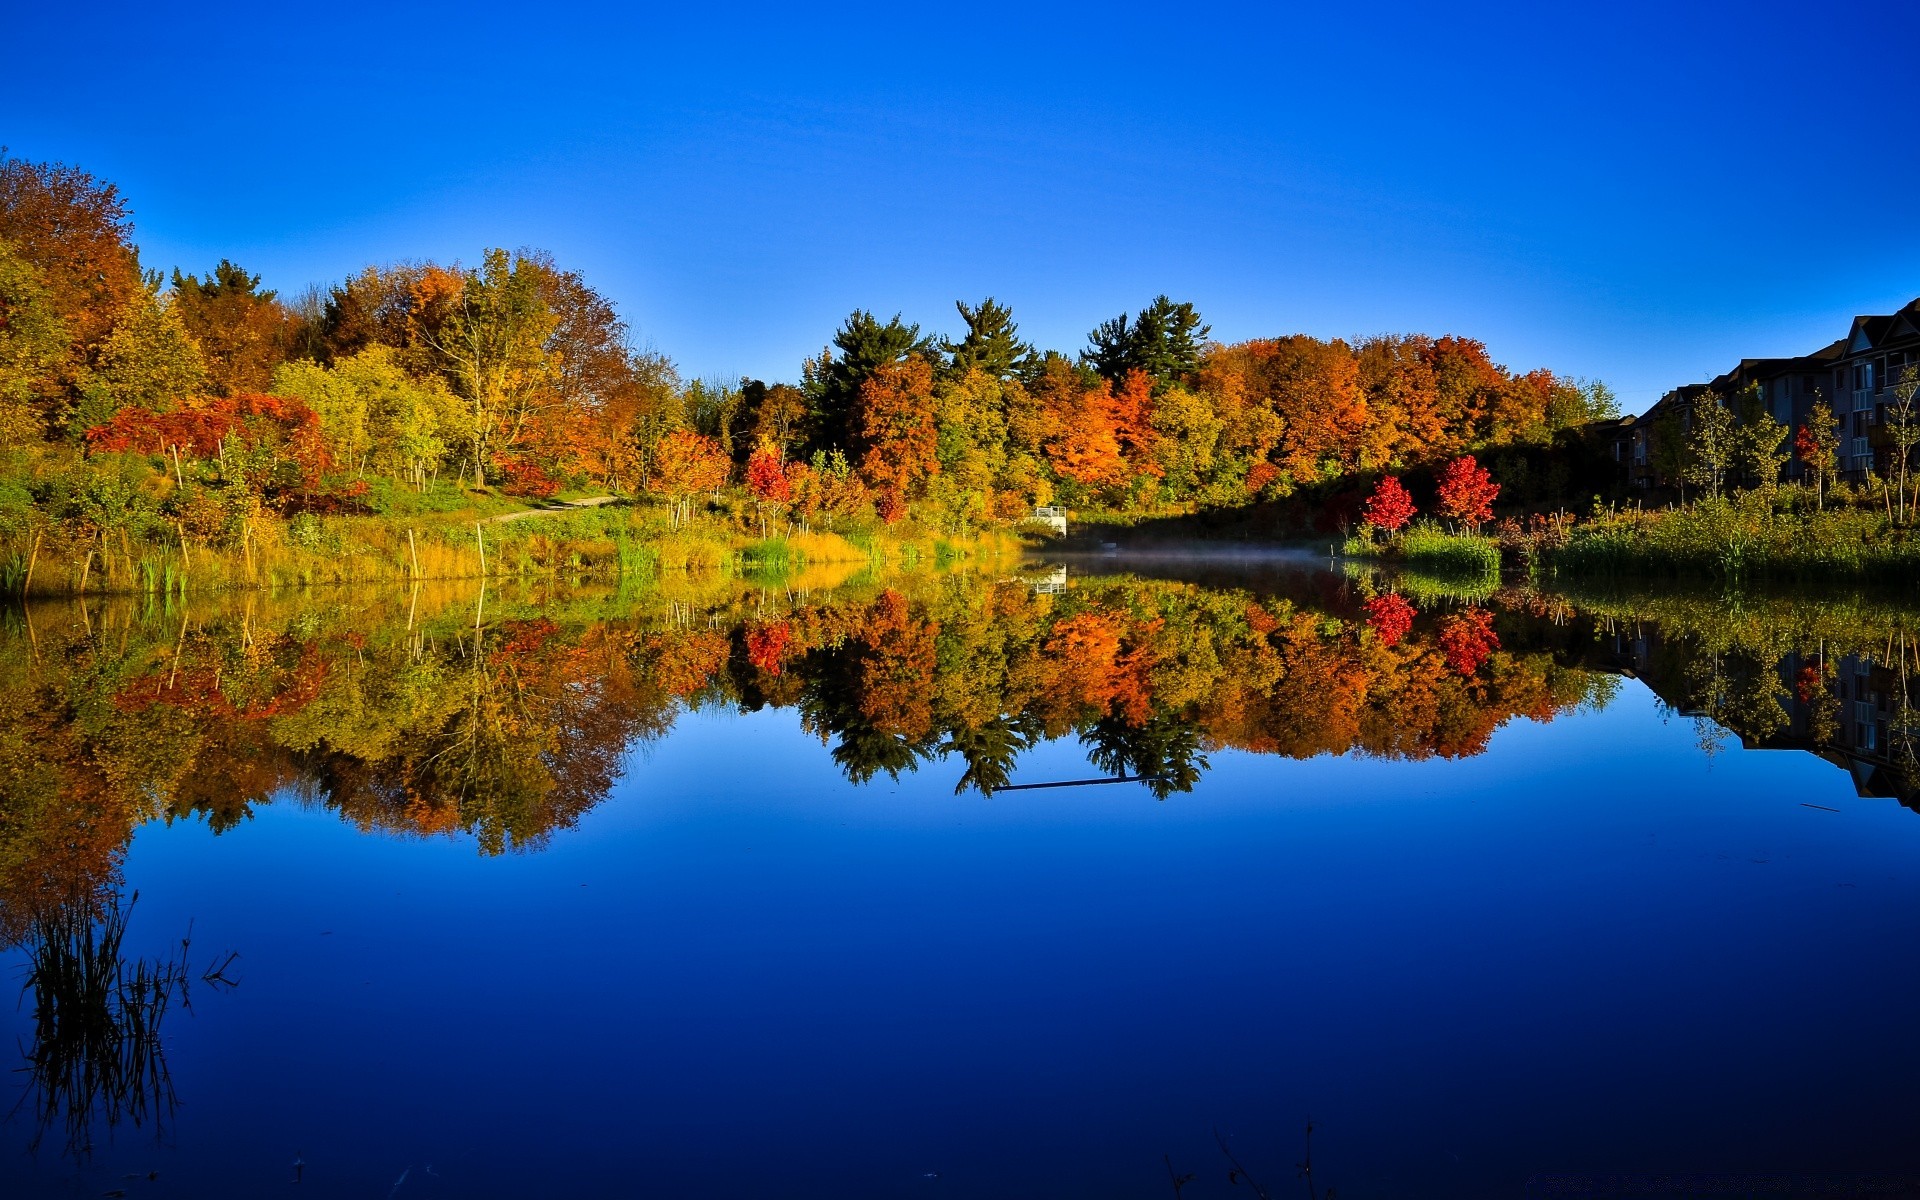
[(743, 890)]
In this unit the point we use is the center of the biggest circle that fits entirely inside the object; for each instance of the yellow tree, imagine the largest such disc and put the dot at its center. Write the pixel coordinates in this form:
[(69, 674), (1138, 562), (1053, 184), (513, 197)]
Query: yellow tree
[(493, 347)]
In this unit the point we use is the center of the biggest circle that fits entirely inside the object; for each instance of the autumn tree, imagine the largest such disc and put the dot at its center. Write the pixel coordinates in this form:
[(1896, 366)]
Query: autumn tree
[(1467, 385), (1313, 388), (686, 464), (970, 423), (402, 306), (775, 413), (767, 481), (494, 349), (832, 381), (1390, 617), (149, 361), (895, 431), (1082, 443), (1389, 507), (74, 230), (1818, 445), (1466, 492), (241, 330)]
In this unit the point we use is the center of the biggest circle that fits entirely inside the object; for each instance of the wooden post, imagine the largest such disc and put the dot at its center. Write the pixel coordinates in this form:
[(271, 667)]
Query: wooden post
[(31, 559), (414, 551), (480, 539)]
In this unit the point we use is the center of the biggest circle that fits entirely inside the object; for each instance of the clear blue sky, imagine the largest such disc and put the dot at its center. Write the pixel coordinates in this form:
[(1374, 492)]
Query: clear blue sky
[(1636, 193)]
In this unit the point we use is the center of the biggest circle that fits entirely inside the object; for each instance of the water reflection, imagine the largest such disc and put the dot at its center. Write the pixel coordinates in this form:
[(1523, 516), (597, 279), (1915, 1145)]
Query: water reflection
[(404, 715), (414, 716), (97, 1060)]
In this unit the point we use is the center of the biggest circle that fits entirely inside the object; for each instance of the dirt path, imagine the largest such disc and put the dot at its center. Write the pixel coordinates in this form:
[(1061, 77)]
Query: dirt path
[(557, 507)]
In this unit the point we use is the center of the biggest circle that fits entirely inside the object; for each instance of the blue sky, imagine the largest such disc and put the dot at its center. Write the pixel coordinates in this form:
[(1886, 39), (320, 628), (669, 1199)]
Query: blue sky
[(1640, 194)]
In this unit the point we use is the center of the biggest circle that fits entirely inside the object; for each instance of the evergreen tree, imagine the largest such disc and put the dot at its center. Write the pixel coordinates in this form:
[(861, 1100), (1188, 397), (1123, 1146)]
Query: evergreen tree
[(992, 343), (832, 383), (1164, 341)]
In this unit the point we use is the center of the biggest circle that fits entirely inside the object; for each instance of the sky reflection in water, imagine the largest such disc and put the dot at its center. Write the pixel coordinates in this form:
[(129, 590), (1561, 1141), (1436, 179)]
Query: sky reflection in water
[(1592, 947)]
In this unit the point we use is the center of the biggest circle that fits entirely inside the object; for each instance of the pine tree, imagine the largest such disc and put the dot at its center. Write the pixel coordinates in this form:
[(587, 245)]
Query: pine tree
[(832, 382), (1164, 341), (992, 343)]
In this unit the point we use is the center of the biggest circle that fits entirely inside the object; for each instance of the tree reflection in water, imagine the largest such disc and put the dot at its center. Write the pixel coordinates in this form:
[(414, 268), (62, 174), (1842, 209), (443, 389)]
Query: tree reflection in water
[(404, 717), (96, 1059)]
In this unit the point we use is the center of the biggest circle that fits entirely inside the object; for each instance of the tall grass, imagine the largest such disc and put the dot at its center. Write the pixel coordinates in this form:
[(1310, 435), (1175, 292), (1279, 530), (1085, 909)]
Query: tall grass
[(1743, 537)]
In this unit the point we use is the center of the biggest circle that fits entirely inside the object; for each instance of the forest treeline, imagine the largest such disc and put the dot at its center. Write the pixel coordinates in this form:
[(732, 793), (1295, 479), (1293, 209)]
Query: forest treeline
[(204, 410)]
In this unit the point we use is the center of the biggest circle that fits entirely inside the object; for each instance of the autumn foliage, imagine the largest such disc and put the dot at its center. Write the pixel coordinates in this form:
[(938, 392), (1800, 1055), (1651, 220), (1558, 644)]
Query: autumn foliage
[(1466, 491), (1389, 507), (1468, 640), (1390, 617)]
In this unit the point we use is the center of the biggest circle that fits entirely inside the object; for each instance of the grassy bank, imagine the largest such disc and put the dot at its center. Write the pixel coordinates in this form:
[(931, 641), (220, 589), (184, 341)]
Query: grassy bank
[(615, 542), (1429, 549), (1746, 537)]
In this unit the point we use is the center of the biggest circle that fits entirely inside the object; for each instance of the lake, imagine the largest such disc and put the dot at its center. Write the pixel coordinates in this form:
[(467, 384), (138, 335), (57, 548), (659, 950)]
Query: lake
[(1035, 883)]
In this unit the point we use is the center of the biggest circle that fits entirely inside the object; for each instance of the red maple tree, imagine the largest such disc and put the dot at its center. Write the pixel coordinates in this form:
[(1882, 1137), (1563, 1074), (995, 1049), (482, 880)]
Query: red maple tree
[(1390, 616), (1467, 491), (1389, 507), (1468, 640)]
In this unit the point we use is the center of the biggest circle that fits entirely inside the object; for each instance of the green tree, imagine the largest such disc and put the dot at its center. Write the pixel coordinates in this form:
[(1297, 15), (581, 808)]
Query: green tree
[(1165, 341), (1759, 442), (1711, 442), (33, 344), (150, 361), (991, 345), (374, 414)]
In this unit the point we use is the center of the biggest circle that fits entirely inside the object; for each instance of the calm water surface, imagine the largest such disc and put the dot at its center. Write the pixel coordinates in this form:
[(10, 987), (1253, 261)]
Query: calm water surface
[(1535, 918)]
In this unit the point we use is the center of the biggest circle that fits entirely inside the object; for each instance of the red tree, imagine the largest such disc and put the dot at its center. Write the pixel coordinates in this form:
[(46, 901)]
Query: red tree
[(767, 476), (1467, 491), (768, 645), (1389, 507), (1390, 616), (286, 429), (894, 420), (1468, 640)]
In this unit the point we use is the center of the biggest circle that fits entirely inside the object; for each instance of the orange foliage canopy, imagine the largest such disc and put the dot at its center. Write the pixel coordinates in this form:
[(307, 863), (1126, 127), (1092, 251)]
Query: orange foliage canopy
[(895, 425), (687, 463)]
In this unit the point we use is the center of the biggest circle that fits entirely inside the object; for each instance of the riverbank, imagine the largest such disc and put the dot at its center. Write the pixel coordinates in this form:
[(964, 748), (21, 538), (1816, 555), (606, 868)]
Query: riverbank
[(606, 539), (1744, 538)]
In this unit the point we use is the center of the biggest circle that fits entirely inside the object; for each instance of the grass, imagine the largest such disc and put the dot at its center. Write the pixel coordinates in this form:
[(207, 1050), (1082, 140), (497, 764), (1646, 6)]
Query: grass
[(1431, 550), (1748, 537)]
